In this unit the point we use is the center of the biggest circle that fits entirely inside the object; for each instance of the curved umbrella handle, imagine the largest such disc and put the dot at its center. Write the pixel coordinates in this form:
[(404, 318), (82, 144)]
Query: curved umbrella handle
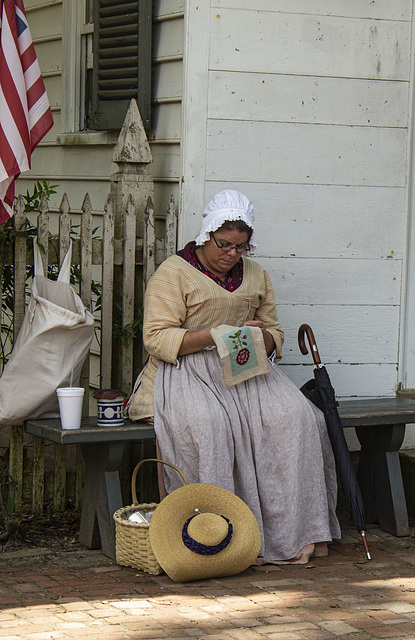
[(305, 328)]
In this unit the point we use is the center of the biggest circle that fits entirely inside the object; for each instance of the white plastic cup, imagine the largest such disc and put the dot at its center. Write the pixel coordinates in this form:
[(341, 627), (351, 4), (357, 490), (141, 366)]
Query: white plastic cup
[(70, 406)]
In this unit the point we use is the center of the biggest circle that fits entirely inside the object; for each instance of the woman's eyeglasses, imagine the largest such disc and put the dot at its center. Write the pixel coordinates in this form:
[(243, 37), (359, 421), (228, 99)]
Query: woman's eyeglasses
[(227, 246)]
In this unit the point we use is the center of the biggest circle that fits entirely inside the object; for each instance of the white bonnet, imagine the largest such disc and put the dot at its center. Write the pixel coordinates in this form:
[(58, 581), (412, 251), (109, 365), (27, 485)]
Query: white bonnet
[(226, 206)]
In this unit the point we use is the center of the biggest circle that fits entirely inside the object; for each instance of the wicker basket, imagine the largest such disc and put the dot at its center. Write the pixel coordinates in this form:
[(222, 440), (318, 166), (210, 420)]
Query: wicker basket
[(132, 540)]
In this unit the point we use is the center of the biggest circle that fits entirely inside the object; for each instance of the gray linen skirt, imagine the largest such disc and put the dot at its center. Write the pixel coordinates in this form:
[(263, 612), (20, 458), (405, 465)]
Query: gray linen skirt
[(260, 439)]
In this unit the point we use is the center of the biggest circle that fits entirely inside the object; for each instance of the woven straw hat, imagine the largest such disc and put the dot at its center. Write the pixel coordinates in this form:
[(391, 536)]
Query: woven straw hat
[(203, 531)]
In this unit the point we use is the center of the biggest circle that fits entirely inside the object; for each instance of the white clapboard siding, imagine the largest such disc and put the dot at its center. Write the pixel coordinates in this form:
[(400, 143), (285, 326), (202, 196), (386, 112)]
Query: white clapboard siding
[(50, 56), (49, 141), (97, 188), (167, 80), (350, 335), (167, 91), (45, 22), (309, 45), (168, 39), (319, 154), (310, 99), (76, 163), (82, 162), (381, 9), (162, 194), (96, 181), (334, 282), (294, 220), (167, 8), (53, 85), (167, 120), (366, 380), (166, 161)]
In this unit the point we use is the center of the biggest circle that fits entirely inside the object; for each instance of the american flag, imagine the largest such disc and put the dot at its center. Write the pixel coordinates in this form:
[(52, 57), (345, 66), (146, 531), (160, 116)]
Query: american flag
[(25, 115)]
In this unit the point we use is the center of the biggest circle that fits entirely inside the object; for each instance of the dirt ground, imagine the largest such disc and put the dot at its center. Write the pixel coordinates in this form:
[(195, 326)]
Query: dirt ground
[(56, 531)]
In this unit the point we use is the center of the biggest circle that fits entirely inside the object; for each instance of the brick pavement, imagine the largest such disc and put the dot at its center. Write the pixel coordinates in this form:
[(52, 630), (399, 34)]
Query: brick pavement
[(82, 594)]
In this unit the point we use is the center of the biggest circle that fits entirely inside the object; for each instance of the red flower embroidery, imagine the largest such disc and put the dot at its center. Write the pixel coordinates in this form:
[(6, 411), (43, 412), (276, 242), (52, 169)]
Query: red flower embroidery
[(243, 356)]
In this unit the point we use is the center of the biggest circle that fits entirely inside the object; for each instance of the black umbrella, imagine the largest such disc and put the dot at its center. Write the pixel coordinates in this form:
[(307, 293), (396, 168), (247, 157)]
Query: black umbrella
[(320, 391)]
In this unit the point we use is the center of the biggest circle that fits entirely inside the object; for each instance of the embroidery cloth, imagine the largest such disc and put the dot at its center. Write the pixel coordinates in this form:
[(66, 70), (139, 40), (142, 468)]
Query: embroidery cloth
[(242, 353)]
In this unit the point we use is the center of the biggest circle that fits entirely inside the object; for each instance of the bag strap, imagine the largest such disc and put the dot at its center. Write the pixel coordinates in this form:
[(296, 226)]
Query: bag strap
[(37, 259), (65, 270), (133, 479)]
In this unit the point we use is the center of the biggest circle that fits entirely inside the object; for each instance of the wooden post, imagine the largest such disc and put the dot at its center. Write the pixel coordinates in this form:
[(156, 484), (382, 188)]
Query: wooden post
[(149, 245), (132, 155), (38, 465), (79, 478), (85, 294), (19, 269), (107, 294), (171, 228), (128, 296), (43, 231), (16, 432), (85, 287), (59, 488), (64, 228), (38, 475), (16, 468)]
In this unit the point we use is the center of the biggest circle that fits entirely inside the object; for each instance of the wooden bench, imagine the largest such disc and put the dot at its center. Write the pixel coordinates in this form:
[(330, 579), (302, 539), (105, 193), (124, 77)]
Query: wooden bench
[(380, 427), (102, 450)]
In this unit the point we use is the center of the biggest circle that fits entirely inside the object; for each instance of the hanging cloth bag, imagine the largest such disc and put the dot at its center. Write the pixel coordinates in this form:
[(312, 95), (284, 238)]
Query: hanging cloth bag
[(51, 347)]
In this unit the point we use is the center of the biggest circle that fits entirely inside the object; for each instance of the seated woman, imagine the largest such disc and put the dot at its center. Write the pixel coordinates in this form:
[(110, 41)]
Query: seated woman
[(261, 438)]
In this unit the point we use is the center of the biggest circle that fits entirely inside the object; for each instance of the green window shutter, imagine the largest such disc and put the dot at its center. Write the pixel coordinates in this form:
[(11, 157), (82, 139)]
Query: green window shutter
[(122, 61)]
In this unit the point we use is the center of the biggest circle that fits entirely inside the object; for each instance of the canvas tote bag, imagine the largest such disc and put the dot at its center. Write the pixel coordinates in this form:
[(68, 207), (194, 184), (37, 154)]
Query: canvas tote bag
[(51, 347)]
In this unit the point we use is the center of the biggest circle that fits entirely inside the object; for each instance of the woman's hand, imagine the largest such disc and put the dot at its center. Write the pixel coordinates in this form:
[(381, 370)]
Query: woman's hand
[(256, 323), (194, 341), (268, 339)]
